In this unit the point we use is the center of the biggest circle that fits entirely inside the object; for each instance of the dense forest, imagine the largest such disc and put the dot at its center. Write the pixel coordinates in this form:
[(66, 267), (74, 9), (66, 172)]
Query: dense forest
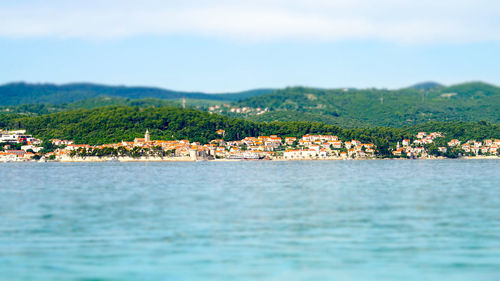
[(23, 93), (374, 107), (116, 123)]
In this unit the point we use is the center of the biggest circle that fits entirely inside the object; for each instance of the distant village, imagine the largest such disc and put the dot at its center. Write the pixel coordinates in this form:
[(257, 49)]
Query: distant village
[(18, 146), (227, 108)]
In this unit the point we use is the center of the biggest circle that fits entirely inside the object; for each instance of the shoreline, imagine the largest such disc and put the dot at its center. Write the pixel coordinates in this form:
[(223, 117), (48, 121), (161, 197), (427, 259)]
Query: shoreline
[(187, 159)]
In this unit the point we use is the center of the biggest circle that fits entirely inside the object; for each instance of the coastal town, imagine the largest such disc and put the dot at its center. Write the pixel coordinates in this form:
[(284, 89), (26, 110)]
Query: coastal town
[(17, 146)]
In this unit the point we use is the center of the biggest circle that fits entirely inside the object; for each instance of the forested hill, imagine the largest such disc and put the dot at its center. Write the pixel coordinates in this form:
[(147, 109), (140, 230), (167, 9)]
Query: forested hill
[(43, 108), (374, 107), (349, 108), (23, 93), (116, 123)]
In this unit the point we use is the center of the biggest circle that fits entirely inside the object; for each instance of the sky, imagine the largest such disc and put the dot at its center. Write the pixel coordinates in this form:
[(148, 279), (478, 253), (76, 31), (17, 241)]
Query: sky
[(225, 46)]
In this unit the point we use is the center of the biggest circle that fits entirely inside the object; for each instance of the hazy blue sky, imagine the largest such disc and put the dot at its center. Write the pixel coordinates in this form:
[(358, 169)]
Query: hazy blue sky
[(220, 45)]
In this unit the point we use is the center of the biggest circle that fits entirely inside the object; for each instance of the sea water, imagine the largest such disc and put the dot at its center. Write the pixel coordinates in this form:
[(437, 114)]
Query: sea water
[(254, 220)]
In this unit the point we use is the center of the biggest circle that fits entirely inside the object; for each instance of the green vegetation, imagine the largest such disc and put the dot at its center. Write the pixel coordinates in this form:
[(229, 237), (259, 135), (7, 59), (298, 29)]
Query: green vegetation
[(462, 131), (302, 116), (116, 123), (13, 146), (23, 93), (427, 86), (108, 101), (40, 109), (349, 108), (372, 107)]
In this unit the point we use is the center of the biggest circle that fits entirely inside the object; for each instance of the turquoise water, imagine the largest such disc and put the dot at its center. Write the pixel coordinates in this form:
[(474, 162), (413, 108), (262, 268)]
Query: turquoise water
[(331, 220)]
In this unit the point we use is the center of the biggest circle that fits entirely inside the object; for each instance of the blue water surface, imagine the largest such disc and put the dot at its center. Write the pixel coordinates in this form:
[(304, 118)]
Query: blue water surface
[(255, 220)]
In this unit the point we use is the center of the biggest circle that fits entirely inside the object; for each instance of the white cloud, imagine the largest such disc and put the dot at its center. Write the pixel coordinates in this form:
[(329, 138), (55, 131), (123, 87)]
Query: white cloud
[(407, 21)]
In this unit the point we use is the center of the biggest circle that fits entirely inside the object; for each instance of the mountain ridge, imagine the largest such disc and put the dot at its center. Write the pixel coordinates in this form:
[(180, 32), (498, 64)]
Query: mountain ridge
[(17, 93)]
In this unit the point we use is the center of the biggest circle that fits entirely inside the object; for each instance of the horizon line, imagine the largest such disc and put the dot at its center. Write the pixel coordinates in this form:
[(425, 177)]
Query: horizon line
[(111, 85)]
